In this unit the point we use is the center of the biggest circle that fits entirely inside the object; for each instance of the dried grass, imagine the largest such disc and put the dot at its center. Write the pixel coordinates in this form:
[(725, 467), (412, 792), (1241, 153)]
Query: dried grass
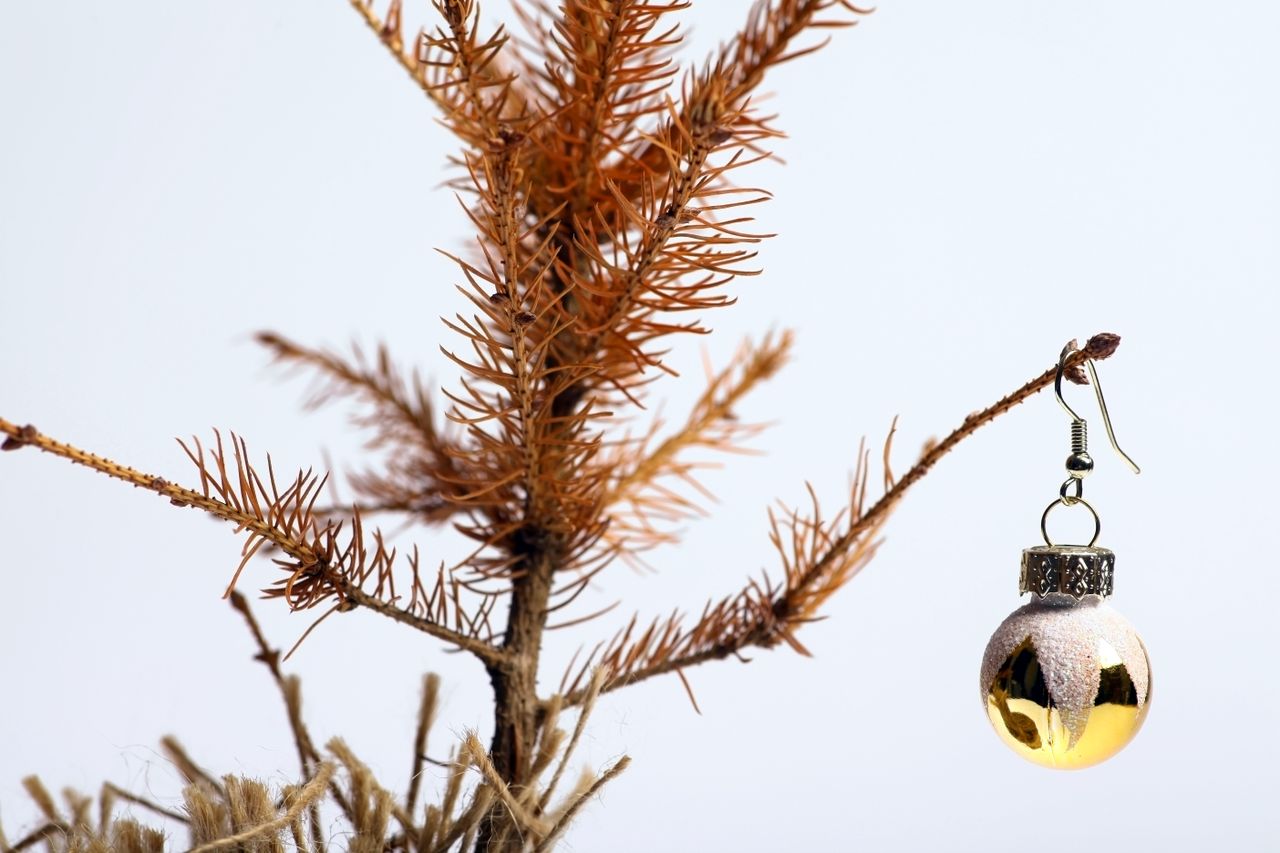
[(236, 814)]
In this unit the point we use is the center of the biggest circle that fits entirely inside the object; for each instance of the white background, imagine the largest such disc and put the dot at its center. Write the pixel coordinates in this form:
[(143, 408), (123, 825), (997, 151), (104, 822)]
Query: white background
[(968, 186)]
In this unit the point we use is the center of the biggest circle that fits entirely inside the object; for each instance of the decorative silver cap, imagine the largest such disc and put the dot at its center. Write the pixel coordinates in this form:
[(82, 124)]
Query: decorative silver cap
[(1074, 570)]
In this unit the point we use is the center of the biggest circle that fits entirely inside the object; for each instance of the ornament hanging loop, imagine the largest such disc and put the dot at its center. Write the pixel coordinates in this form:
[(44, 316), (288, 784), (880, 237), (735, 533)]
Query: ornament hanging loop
[(1065, 501), (1075, 485)]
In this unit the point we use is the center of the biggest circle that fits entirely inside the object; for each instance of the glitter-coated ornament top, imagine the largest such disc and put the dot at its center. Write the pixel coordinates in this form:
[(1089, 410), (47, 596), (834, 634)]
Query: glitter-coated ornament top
[(1066, 683)]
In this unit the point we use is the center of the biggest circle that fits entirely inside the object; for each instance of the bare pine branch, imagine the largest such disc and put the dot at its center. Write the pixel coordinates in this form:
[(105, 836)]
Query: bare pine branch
[(461, 73), (419, 474), (819, 556), (324, 560)]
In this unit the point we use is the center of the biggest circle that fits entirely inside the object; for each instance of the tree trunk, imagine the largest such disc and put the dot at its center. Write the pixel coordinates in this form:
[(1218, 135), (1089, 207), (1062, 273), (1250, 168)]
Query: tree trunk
[(515, 693)]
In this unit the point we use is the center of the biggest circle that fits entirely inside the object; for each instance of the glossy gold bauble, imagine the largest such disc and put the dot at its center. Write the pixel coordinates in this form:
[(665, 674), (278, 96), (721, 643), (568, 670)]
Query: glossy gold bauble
[(1066, 682)]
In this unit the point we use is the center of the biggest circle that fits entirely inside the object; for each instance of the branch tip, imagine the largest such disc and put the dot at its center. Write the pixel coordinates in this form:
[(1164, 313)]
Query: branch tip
[(1102, 345), (25, 435)]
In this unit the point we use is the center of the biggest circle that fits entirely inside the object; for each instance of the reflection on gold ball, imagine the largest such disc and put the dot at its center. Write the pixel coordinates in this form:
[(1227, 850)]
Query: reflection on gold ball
[(1027, 719), (1066, 684)]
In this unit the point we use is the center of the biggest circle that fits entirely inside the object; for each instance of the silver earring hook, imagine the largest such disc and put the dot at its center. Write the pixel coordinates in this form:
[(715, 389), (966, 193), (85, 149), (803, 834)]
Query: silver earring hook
[(1102, 406)]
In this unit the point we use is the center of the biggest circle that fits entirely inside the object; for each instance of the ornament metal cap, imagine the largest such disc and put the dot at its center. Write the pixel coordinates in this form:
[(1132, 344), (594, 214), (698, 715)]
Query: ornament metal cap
[(1074, 570)]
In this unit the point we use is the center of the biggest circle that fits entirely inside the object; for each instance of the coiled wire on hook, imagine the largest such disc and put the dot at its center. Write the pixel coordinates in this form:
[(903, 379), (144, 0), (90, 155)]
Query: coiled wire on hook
[(1079, 436)]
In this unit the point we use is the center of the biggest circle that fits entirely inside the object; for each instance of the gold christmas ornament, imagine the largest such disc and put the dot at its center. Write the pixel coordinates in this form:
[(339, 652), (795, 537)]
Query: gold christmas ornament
[(1065, 679)]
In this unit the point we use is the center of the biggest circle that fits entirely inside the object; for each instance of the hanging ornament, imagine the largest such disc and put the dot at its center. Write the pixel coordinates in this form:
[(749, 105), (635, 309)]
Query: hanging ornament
[(1065, 678)]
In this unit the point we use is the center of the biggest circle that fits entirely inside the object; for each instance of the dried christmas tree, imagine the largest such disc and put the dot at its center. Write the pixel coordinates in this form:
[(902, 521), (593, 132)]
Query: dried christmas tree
[(602, 181)]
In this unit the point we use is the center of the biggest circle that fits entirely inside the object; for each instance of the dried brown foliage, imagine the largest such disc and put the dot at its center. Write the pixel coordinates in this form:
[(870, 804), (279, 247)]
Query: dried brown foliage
[(236, 814), (604, 184)]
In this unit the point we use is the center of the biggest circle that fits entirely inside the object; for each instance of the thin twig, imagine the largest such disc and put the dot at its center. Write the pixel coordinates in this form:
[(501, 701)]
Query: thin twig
[(48, 831), (146, 804), (395, 45), (270, 658), (290, 692)]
